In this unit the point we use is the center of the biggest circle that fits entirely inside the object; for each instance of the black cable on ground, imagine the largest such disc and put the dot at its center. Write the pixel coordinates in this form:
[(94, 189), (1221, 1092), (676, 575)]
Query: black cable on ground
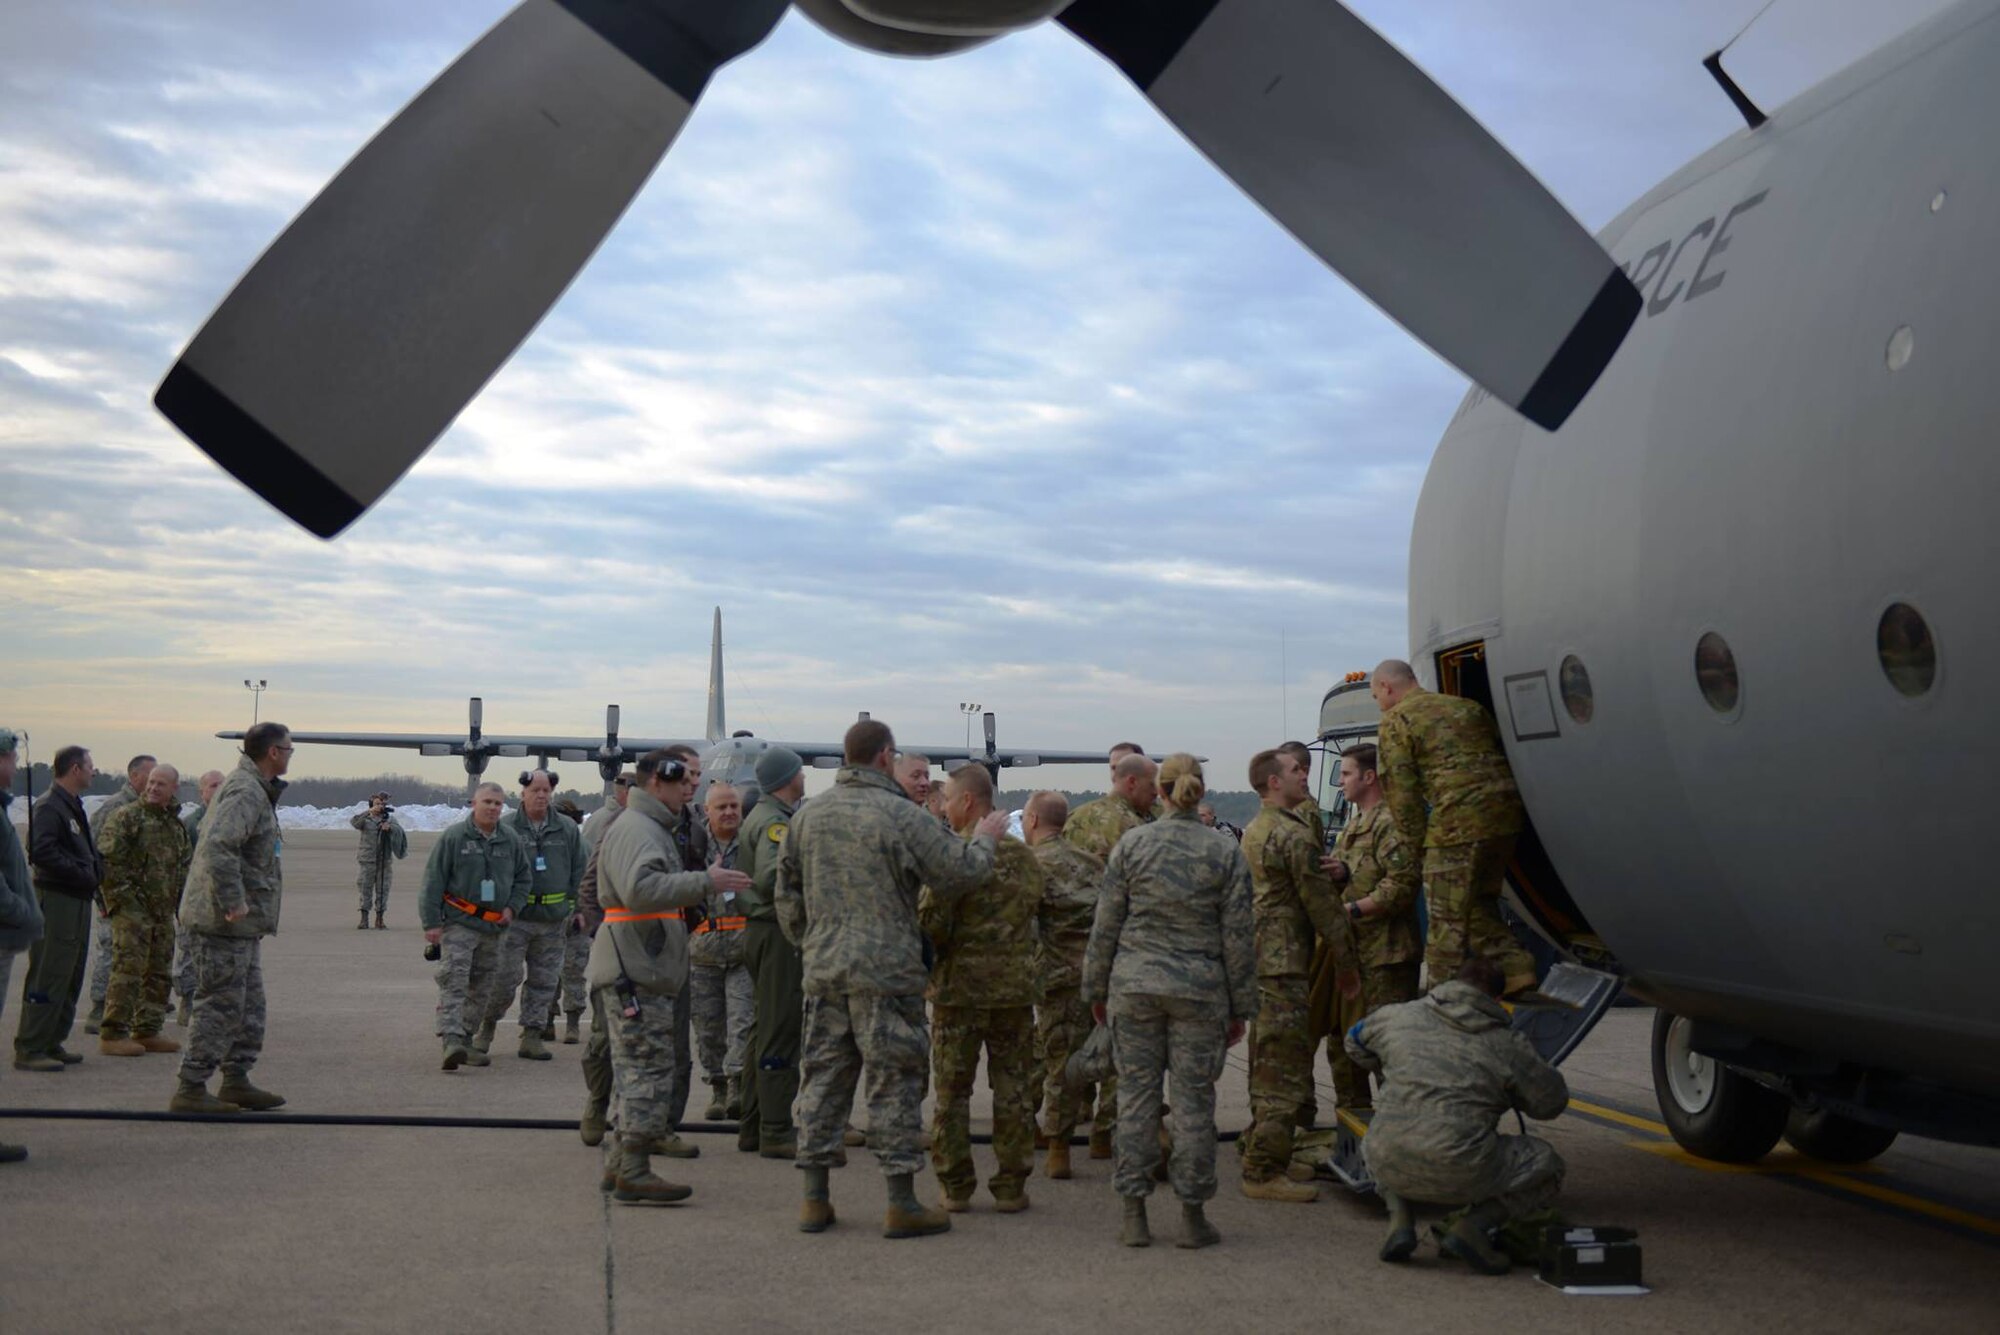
[(377, 1119)]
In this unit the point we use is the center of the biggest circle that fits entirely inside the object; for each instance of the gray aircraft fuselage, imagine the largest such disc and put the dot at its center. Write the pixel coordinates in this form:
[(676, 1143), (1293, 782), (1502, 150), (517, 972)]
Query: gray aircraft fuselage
[(1799, 432)]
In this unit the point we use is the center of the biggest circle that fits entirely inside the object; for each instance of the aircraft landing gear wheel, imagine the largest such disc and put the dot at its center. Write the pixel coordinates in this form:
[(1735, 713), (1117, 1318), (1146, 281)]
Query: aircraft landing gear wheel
[(1833, 1138), (1711, 1110)]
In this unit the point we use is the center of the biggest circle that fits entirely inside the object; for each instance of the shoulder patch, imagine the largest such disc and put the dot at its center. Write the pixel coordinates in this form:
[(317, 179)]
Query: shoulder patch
[(776, 832)]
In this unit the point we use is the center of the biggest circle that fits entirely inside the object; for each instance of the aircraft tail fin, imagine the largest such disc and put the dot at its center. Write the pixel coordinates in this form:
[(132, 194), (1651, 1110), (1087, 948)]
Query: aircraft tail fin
[(718, 727)]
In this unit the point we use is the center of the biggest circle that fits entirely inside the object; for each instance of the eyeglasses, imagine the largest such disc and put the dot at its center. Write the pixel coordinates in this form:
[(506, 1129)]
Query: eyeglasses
[(621, 782), (286, 749), (670, 771)]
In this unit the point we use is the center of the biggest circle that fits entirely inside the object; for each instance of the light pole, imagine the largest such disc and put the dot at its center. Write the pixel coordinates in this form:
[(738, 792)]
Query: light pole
[(971, 712), (256, 689)]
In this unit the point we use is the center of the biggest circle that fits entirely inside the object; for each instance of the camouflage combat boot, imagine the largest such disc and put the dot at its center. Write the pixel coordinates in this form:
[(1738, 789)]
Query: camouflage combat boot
[(237, 1089), (907, 1218), (531, 1046), (454, 1054), (364, 920), (549, 1029), (732, 1099), (1100, 1144), (816, 1211), (193, 1097), (1013, 1202), (1132, 1229), (637, 1184), (1401, 1243), (119, 1046), (1470, 1239), (483, 1040), (591, 1125), (380, 926), (1056, 1166), (570, 1034), (609, 1180), (673, 1147), (718, 1101), (1196, 1231), (770, 1148), (476, 1056)]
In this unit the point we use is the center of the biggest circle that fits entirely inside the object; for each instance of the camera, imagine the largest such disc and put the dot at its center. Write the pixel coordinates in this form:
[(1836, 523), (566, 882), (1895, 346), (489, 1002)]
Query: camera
[(434, 951)]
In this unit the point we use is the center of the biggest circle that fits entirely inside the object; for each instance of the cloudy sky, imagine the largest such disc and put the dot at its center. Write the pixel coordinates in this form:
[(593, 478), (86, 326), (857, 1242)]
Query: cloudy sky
[(966, 380)]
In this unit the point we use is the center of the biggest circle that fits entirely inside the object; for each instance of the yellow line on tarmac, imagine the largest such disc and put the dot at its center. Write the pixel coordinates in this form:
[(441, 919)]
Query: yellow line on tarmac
[(1646, 1124), (1843, 1180)]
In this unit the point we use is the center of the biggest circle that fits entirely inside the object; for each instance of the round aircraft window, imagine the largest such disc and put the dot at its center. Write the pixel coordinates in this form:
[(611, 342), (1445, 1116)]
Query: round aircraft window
[(1909, 655), (1573, 680), (1715, 673)]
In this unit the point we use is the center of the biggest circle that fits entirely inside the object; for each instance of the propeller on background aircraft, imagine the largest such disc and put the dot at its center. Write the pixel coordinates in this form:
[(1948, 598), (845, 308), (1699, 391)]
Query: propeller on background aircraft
[(611, 756), (364, 330)]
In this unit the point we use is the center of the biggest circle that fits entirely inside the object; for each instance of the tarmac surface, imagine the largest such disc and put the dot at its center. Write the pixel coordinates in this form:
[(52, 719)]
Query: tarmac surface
[(161, 1227)]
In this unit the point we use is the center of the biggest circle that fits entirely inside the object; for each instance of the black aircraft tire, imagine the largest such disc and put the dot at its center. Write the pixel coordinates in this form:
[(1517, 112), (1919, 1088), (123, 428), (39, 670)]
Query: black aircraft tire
[(1832, 1138), (1739, 1121)]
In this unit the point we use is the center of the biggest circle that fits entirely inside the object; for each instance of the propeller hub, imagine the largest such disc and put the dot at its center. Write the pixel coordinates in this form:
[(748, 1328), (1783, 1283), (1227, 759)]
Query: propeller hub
[(957, 18)]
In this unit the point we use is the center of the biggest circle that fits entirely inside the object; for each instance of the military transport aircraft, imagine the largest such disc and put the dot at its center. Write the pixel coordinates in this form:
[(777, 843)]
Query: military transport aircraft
[(1726, 605), (726, 756)]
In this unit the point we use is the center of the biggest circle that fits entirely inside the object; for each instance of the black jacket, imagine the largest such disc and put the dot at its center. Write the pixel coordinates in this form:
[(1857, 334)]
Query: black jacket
[(61, 853)]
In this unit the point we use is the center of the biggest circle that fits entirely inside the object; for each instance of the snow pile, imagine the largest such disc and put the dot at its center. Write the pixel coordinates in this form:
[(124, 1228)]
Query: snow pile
[(336, 818)]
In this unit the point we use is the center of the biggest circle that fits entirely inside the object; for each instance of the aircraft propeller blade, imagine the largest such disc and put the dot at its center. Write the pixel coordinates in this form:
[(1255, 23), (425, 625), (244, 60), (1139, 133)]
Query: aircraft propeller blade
[(992, 748), (611, 730), (371, 322), (475, 714), (1353, 149)]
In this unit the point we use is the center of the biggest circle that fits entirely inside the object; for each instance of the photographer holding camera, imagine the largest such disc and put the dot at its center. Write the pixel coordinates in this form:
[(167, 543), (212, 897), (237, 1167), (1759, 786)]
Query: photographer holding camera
[(382, 838), (640, 957)]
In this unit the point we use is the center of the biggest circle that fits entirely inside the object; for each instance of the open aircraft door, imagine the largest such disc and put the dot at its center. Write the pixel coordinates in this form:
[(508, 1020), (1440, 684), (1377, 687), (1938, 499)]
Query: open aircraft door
[(1579, 977)]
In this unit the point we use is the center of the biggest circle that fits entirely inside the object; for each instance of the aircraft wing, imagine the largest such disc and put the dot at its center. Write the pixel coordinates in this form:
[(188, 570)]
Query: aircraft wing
[(492, 744)]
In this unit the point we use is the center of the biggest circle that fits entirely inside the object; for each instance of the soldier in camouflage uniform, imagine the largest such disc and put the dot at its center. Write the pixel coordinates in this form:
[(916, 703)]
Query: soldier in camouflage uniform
[(1095, 828), (639, 965), (383, 842), (21, 920), (136, 771), (145, 865), (1378, 885), (575, 996), (982, 994), (720, 996), (1071, 879), (1172, 965), (777, 972), (1451, 1067), (235, 889), (846, 895), (1293, 898), (1308, 805), (183, 957), (1451, 793), (476, 881), (531, 952), (589, 917)]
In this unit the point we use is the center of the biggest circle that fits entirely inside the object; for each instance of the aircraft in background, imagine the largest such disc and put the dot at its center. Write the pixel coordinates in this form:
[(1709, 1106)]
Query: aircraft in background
[(727, 756)]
